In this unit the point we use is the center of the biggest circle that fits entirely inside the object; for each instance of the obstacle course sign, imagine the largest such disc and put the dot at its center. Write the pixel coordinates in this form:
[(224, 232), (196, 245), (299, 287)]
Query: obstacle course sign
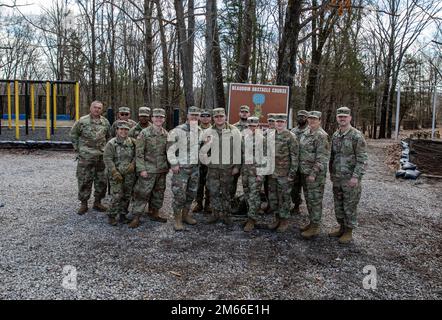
[(262, 100)]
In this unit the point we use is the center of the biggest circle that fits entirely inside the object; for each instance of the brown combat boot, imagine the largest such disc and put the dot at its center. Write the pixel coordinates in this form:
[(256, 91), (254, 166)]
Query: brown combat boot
[(198, 207), (213, 218), (154, 215), (135, 222), (311, 232), (83, 208), (347, 236), (112, 221), (306, 227), (178, 226), (274, 224), (338, 232), (187, 217), (250, 225), (283, 225), (98, 206)]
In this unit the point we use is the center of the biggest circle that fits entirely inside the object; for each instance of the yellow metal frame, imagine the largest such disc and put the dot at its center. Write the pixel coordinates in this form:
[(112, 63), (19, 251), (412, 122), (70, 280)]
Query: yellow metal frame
[(32, 108), (17, 111), (77, 101)]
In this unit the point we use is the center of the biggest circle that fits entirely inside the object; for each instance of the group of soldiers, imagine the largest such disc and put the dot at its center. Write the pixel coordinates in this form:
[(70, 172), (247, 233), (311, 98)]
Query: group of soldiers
[(138, 157)]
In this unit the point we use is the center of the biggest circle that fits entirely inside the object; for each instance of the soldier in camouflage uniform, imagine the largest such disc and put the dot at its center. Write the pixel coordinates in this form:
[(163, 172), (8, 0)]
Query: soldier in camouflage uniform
[(152, 168), (348, 163), (314, 154), (203, 191), (89, 135), (244, 113), (286, 164), (220, 174), (182, 153), (119, 158), (299, 130), (123, 114), (252, 150), (271, 125), (143, 122)]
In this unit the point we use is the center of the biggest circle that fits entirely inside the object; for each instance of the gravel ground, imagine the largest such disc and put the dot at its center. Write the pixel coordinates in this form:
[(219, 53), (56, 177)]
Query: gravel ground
[(399, 234), (61, 134)]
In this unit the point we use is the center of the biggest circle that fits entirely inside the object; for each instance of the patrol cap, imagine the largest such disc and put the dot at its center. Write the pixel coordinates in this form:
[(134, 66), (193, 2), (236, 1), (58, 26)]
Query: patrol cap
[(123, 110), (194, 111), (205, 112), (121, 124), (219, 112), (158, 112), (144, 111), (271, 117), (244, 108), (303, 113), (343, 111), (280, 116), (254, 121), (315, 114)]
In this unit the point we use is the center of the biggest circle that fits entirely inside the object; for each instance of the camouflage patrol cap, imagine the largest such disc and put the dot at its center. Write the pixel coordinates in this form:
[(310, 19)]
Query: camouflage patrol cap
[(121, 124), (158, 112), (244, 108), (123, 110), (253, 121), (144, 111), (219, 112), (343, 111), (194, 110), (280, 117), (205, 112), (303, 113), (271, 117), (315, 114)]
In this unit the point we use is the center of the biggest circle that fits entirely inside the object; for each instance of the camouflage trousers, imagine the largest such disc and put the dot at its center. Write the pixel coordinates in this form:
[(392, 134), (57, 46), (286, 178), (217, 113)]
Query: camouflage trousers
[(279, 196), (121, 193), (91, 172), (346, 201), (150, 191), (203, 191), (234, 185), (184, 188), (252, 190), (297, 190), (314, 193), (219, 182)]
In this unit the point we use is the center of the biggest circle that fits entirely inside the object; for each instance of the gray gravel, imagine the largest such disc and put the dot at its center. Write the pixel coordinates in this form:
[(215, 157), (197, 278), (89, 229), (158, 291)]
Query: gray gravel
[(400, 235), (60, 134)]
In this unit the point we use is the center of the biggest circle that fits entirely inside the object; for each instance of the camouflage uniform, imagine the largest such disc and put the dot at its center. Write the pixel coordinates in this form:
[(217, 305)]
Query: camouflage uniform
[(136, 130), (297, 184), (89, 138), (151, 157), (241, 125), (113, 130), (203, 191), (286, 164), (348, 159), (119, 156), (219, 176), (314, 153), (184, 183)]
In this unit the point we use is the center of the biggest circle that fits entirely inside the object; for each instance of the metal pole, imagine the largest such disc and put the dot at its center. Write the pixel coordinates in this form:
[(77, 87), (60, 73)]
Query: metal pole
[(433, 124), (17, 111), (8, 90), (52, 113), (77, 101), (55, 105), (32, 107), (27, 97), (48, 110), (398, 108)]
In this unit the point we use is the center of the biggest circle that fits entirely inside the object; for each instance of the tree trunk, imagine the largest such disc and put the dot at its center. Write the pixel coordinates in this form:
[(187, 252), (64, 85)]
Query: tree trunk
[(245, 49)]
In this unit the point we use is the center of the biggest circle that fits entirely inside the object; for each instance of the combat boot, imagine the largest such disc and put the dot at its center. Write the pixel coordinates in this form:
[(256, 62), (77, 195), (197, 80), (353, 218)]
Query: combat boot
[(198, 206), (124, 219), (311, 232), (207, 208), (98, 206), (283, 225), (178, 226), (213, 218), (347, 236), (112, 221), (338, 232), (250, 225), (306, 227), (83, 208), (154, 215), (227, 219), (274, 224), (187, 217), (135, 222)]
